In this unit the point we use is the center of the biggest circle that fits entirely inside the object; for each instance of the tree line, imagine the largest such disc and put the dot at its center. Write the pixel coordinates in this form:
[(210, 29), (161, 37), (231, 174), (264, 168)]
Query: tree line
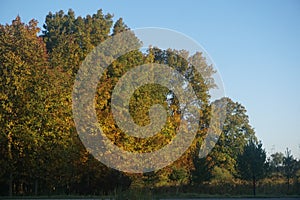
[(40, 150)]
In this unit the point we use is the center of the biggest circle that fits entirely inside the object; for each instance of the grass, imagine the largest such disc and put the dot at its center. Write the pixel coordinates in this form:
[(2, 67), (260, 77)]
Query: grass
[(145, 196)]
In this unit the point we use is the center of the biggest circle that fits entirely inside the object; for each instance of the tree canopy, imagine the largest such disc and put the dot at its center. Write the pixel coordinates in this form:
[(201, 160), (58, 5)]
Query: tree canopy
[(40, 150)]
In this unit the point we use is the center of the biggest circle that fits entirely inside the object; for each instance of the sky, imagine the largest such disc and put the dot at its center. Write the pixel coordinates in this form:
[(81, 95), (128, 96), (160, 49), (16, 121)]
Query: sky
[(254, 44)]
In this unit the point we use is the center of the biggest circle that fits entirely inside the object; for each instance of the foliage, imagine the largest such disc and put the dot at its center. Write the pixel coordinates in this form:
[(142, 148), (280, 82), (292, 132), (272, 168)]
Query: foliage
[(41, 153), (221, 175), (251, 162), (236, 132)]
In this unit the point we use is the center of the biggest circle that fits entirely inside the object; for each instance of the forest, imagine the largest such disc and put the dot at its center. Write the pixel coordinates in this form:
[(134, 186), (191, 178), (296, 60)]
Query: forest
[(42, 154)]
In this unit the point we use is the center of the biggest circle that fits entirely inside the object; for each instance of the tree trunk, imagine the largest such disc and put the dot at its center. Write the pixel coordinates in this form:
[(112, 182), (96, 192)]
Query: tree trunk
[(288, 184), (254, 186), (36, 187), (9, 138), (10, 184)]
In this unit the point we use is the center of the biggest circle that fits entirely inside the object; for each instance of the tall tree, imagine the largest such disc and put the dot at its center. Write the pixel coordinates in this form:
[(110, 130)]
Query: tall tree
[(251, 162), (289, 164), (23, 61), (235, 134), (70, 39), (148, 95)]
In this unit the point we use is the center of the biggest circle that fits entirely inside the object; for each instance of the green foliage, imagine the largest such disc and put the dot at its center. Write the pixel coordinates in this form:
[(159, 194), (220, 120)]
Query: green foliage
[(221, 175), (236, 132), (290, 167), (119, 27), (178, 175), (70, 39), (277, 159), (23, 61), (251, 163)]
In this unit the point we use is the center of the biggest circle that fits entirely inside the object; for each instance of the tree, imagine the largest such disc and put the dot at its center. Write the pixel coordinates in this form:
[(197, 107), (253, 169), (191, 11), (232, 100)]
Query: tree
[(40, 151), (251, 162), (235, 134), (119, 27), (39, 148), (277, 159), (70, 39), (178, 176), (289, 165), (148, 95), (221, 175), (276, 162), (23, 63)]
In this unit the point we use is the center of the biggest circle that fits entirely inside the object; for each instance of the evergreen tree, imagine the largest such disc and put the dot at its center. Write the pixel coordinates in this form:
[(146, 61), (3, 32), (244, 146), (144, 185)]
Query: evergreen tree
[(251, 163), (289, 164), (119, 27)]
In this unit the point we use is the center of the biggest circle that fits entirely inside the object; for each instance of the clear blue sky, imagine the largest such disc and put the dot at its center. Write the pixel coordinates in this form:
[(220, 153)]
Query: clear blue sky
[(255, 45)]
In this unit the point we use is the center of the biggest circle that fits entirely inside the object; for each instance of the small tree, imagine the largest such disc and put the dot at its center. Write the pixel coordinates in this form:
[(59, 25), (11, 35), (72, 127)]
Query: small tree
[(277, 163), (289, 164), (251, 163), (178, 175), (221, 175)]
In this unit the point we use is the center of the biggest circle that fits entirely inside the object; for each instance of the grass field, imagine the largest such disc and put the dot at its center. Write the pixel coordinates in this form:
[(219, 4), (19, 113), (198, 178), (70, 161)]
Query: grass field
[(278, 198), (186, 196)]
